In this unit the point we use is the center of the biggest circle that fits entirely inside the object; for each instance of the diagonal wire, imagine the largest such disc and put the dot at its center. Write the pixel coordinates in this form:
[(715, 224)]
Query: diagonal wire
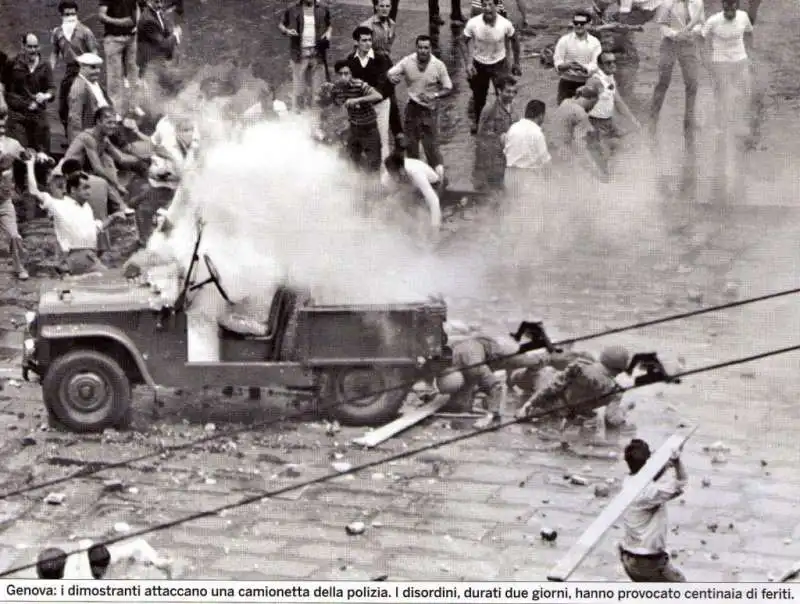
[(92, 469), (412, 452)]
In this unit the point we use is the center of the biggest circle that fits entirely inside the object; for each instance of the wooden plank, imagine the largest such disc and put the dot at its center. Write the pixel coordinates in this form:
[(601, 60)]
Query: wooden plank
[(592, 535), (790, 574), (384, 433)]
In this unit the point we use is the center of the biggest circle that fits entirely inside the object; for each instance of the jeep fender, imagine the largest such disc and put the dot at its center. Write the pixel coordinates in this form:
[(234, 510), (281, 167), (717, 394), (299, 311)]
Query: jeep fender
[(72, 332)]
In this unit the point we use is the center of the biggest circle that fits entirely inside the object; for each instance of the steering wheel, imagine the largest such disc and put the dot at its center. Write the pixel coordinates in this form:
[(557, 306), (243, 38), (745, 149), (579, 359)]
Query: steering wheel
[(215, 278)]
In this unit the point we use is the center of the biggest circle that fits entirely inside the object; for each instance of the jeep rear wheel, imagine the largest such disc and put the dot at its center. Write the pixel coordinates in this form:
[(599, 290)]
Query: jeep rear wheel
[(356, 395), (87, 391)]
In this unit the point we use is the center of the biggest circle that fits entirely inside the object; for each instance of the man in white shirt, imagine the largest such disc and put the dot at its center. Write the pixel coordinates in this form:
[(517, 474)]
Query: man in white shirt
[(644, 549), (725, 34), (526, 150), (428, 81), (416, 176), (604, 141), (488, 41), (575, 56), (74, 223), (680, 22)]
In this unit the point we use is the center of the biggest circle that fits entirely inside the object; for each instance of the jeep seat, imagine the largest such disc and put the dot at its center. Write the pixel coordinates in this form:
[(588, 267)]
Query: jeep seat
[(245, 319)]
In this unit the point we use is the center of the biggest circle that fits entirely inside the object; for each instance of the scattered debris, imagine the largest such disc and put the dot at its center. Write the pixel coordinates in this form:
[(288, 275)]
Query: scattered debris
[(713, 526), (705, 482), (748, 375), (113, 486), (718, 458), (341, 466), (548, 534), (210, 428), (332, 428), (715, 556), (122, 528), (694, 295), (578, 480), (291, 470), (28, 441), (601, 491), (763, 463), (717, 447), (355, 528), (55, 498), (381, 578)]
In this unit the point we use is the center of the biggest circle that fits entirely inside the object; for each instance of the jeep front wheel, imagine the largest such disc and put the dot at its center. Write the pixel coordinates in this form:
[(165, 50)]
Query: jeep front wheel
[(87, 391), (358, 396)]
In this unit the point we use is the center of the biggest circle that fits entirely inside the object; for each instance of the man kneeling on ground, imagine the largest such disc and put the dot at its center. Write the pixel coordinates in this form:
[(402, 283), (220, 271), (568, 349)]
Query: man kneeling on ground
[(416, 177), (73, 219)]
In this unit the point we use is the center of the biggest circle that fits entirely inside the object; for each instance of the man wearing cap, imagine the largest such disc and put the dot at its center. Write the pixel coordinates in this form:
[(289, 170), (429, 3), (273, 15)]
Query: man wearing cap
[(29, 88), (585, 386), (86, 96), (69, 40), (575, 56)]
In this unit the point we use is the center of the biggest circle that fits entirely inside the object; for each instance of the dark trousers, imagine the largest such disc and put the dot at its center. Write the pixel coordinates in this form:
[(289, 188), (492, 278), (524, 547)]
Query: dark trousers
[(421, 127), (651, 569), (395, 121), (147, 205), (687, 56), (31, 130), (364, 146), (63, 92), (479, 83), (455, 9), (567, 89)]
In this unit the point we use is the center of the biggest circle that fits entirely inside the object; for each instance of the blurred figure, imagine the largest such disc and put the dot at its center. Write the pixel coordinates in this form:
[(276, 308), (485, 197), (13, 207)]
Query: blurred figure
[(680, 22), (157, 37), (525, 151), (490, 160), (410, 178), (99, 560), (120, 19), (29, 88), (568, 130), (50, 563), (86, 96), (308, 26), (428, 81), (69, 41), (575, 56), (10, 151)]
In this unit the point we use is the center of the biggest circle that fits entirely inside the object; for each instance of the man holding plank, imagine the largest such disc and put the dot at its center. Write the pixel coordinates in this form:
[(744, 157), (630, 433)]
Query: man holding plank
[(644, 550)]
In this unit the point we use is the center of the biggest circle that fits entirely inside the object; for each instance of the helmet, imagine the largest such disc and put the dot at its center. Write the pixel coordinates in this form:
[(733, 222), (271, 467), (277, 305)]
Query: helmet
[(450, 382), (615, 358)]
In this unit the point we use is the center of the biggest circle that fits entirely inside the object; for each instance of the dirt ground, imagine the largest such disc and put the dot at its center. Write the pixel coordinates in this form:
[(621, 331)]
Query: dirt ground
[(474, 511)]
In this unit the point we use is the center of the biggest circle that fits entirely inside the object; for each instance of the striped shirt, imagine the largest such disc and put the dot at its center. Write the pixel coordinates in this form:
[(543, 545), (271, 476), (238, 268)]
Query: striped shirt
[(359, 115)]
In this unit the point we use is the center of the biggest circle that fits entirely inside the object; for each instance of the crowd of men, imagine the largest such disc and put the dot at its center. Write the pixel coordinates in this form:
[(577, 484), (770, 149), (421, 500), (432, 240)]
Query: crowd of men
[(109, 135)]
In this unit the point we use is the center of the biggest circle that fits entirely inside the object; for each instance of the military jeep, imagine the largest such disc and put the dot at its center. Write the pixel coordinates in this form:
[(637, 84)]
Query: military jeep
[(91, 341)]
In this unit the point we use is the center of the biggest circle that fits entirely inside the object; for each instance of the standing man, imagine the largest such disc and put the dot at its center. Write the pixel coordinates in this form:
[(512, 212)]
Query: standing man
[(358, 98), (618, 38), (428, 81), (604, 140), (575, 56), (488, 41), (490, 160), (29, 88), (308, 26), (86, 96), (525, 150), (157, 37), (10, 151), (69, 40), (120, 18), (644, 549), (372, 68), (725, 34), (680, 22), (568, 132)]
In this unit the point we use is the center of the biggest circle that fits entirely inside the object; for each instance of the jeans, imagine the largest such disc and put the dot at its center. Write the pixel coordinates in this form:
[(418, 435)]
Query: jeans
[(479, 83), (364, 146), (120, 64), (306, 79), (421, 127), (687, 56)]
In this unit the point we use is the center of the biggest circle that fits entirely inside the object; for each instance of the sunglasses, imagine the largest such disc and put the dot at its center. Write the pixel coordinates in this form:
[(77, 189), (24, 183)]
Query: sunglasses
[(580, 23)]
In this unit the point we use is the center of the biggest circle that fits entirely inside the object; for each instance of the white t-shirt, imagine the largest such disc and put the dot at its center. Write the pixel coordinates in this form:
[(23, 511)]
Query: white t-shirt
[(73, 223), (727, 37), (489, 40), (604, 109), (526, 146), (422, 177), (309, 28)]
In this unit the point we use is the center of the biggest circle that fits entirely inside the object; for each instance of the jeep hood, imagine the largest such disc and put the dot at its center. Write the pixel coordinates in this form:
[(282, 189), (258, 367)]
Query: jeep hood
[(102, 295)]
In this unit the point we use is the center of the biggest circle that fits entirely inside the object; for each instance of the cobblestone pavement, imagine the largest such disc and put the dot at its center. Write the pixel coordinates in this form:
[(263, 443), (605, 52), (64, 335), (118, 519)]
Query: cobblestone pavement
[(473, 510)]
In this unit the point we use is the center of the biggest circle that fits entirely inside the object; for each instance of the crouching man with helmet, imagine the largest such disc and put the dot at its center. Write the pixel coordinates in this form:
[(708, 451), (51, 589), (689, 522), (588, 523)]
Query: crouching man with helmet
[(585, 385)]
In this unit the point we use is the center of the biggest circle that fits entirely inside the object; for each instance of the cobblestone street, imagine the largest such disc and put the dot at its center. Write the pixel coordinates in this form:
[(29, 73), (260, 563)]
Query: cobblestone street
[(474, 510)]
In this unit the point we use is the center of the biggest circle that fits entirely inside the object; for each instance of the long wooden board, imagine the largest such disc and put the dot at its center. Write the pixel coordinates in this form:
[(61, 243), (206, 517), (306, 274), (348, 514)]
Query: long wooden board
[(376, 437), (790, 574), (592, 536)]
